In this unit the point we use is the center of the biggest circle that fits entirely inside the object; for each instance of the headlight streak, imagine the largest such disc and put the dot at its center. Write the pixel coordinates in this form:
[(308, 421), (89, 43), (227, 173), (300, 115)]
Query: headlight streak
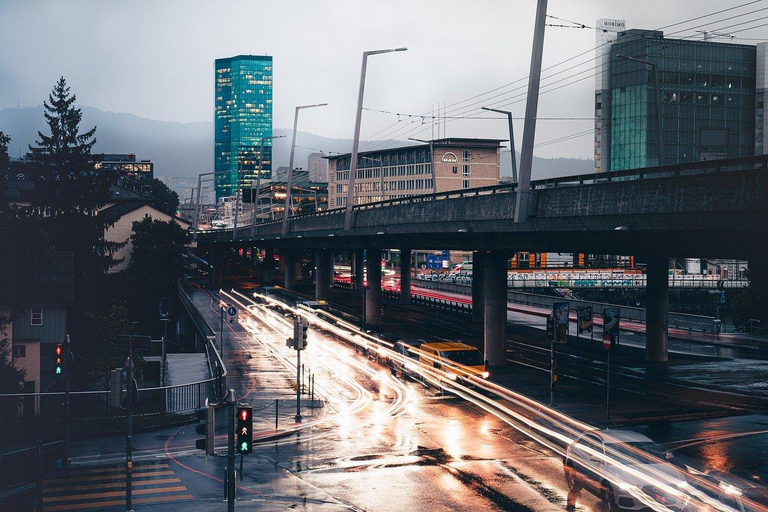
[(557, 432), (365, 399)]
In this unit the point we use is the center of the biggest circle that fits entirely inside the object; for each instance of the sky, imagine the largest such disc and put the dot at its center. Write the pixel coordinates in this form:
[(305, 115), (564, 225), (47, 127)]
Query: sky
[(155, 59)]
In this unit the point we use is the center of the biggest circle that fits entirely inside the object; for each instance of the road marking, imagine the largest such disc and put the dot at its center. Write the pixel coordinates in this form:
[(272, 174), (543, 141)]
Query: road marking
[(116, 483), (88, 488), (136, 474), (113, 494), (115, 469), (102, 504)]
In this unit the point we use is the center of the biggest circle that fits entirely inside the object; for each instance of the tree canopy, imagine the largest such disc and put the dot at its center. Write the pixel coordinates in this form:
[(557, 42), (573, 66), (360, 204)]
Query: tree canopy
[(165, 198)]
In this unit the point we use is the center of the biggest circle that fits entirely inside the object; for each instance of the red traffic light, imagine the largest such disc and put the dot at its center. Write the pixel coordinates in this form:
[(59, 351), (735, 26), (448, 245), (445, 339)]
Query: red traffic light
[(244, 414), (58, 350)]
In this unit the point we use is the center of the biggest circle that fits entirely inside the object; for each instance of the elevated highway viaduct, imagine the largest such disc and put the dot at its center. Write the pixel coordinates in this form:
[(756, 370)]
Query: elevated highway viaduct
[(716, 208)]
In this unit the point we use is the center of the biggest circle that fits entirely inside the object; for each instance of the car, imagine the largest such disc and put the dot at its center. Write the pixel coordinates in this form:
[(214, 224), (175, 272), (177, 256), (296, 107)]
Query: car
[(610, 463), (408, 364), (458, 360)]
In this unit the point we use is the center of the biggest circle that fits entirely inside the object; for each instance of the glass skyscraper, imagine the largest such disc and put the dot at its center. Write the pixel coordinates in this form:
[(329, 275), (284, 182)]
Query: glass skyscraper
[(707, 100), (243, 87)]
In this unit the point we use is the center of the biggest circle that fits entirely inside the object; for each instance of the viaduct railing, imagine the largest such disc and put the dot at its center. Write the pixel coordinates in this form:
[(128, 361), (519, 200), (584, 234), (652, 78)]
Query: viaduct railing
[(666, 171)]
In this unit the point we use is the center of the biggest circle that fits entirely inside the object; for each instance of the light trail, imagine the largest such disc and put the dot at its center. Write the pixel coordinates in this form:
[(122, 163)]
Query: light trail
[(543, 424)]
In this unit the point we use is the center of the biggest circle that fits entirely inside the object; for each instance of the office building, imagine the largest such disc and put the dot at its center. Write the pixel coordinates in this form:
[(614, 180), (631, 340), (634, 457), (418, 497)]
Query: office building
[(307, 196), (243, 117), (709, 104), (458, 163), (125, 166), (317, 167)]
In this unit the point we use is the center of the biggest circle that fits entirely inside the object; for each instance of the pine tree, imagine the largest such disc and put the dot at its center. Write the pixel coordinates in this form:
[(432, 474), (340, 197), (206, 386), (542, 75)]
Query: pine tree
[(68, 193), (68, 181)]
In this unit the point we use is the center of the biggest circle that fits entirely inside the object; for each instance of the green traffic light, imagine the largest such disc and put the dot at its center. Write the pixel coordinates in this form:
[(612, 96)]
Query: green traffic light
[(244, 447), (58, 370)]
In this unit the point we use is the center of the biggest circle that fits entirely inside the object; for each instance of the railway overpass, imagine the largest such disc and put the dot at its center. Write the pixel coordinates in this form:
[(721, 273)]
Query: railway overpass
[(716, 208)]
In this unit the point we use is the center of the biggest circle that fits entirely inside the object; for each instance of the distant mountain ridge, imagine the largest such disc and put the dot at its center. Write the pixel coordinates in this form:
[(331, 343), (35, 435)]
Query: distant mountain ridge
[(186, 149)]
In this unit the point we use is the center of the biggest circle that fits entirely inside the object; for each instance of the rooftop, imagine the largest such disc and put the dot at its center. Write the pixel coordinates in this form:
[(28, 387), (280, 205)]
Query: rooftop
[(459, 142)]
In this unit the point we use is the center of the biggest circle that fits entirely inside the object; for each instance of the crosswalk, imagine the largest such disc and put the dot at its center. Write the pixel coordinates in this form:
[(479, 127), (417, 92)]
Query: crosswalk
[(104, 487)]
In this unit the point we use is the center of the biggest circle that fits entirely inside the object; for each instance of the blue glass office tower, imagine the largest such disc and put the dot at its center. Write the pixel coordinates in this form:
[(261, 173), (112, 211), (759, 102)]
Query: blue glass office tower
[(243, 117)]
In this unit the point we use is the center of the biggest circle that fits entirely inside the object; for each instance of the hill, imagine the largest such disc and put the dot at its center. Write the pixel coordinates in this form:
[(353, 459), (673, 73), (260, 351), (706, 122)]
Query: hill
[(186, 149)]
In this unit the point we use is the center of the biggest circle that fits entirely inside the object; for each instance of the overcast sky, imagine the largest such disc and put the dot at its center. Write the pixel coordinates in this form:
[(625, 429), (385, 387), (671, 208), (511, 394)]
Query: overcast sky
[(155, 58)]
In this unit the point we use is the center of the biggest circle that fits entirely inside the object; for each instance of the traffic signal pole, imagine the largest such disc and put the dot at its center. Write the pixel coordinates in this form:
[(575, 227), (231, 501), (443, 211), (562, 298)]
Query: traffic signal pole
[(129, 430), (67, 375), (231, 408)]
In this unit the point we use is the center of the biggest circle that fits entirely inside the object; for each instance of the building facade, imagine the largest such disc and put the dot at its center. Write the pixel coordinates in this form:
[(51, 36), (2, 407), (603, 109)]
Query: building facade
[(458, 163), (243, 118), (709, 100), (126, 167), (317, 167)]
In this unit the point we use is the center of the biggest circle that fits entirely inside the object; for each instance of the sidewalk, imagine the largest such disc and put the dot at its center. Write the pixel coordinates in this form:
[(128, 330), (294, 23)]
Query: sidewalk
[(258, 377)]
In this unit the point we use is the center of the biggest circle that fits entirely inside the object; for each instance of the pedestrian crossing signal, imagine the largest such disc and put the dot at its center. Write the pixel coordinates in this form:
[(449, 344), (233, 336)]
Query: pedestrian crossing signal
[(59, 361), (244, 429)]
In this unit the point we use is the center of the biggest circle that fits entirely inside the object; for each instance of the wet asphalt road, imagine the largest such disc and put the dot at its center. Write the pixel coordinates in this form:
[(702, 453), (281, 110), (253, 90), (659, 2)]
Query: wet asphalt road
[(382, 443)]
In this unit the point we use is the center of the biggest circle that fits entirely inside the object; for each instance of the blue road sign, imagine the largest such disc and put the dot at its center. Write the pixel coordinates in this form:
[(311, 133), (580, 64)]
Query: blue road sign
[(232, 311)]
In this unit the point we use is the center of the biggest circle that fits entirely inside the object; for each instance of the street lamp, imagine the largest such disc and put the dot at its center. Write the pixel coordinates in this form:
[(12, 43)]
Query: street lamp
[(290, 165), (657, 94), (511, 139), (255, 204), (356, 138)]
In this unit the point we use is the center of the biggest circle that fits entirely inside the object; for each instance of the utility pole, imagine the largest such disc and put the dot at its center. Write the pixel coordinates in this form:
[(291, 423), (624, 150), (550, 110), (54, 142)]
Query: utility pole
[(255, 203), (531, 108), (238, 195)]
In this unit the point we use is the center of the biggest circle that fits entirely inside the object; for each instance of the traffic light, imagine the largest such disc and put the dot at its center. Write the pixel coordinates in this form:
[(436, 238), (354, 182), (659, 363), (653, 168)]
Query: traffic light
[(550, 328), (207, 429), (59, 361), (300, 326), (244, 429)]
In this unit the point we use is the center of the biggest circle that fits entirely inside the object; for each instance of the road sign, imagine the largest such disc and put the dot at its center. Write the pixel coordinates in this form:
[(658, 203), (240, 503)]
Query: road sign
[(611, 318), (232, 311), (562, 319)]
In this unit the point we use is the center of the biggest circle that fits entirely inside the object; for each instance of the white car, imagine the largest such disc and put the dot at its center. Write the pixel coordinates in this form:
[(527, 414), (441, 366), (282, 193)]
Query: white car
[(626, 469)]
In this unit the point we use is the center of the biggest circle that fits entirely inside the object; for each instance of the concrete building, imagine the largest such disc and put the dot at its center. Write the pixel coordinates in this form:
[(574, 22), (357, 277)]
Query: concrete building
[(458, 163), (281, 174), (243, 116), (307, 197), (711, 99), (317, 166)]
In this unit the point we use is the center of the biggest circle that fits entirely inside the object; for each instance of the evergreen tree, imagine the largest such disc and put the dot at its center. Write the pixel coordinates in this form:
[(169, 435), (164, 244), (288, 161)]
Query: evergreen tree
[(165, 198), (68, 193)]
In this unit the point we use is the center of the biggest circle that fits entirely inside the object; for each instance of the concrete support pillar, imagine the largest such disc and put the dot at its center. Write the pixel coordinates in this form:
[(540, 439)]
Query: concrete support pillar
[(405, 276), (495, 305), (269, 266), (478, 302), (281, 264), (373, 293), (254, 255), (357, 269), (288, 259), (657, 302), (322, 266)]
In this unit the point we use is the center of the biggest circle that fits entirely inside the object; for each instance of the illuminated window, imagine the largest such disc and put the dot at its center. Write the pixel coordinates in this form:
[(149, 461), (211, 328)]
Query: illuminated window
[(36, 316)]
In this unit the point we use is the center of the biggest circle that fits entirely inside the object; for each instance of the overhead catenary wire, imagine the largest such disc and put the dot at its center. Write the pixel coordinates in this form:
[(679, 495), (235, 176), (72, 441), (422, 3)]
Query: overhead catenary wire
[(409, 129)]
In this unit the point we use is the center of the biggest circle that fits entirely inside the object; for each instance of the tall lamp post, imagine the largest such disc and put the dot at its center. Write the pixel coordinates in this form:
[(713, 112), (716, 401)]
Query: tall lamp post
[(511, 139), (290, 165), (531, 107), (255, 203), (356, 138), (657, 94)]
